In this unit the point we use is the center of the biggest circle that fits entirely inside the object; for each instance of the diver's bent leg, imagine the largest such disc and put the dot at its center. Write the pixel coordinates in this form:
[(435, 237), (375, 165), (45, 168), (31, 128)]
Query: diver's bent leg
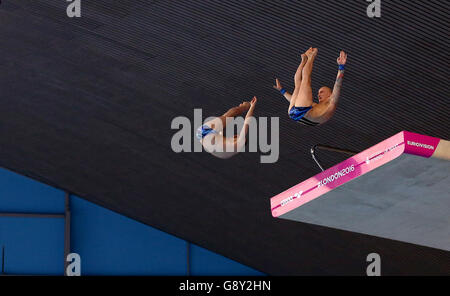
[(298, 77), (236, 111), (220, 122), (307, 70), (304, 97)]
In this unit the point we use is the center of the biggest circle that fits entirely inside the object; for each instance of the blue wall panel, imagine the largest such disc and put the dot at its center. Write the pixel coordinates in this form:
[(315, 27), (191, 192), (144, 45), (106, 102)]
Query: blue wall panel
[(33, 246), (22, 194), (108, 243), (111, 244)]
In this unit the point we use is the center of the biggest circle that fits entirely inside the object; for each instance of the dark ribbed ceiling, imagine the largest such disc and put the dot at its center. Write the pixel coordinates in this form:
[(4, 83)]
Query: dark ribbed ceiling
[(87, 105)]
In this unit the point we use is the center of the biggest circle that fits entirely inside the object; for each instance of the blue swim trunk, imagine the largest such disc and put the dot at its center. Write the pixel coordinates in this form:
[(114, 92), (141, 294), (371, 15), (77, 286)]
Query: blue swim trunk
[(203, 131), (297, 113)]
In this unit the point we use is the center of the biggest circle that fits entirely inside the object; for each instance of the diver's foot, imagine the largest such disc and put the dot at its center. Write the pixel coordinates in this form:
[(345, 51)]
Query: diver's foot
[(304, 59), (244, 106), (312, 53)]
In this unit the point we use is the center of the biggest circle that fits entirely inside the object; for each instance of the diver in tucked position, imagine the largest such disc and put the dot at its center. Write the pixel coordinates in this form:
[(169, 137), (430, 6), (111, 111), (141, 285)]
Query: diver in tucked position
[(211, 135), (301, 106)]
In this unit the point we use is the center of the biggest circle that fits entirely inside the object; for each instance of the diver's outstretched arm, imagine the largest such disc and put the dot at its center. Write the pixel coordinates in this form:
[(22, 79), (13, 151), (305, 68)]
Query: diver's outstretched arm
[(240, 142), (283, 91), (342, 60)]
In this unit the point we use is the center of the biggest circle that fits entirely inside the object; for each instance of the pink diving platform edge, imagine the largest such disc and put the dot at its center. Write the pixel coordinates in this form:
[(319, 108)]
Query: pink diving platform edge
[(352, 168)]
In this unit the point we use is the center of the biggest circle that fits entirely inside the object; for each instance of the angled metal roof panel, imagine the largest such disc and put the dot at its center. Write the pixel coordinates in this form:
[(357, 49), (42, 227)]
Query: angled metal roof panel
[(86, 105)]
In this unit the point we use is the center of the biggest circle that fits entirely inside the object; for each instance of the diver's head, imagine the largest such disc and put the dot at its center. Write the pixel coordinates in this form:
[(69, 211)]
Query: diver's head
[(324, 93)]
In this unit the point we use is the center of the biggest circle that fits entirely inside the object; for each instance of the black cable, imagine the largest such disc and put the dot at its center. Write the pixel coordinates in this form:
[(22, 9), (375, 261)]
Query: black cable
[(314, 157), (328, 148)]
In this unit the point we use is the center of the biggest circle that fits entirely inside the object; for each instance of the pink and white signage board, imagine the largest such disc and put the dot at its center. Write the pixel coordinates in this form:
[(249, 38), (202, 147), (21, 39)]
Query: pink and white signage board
[(396, 189)]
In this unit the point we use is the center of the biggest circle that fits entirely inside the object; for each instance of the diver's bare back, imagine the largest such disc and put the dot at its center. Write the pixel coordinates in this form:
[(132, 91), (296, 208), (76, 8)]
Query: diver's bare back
[(321, 112)]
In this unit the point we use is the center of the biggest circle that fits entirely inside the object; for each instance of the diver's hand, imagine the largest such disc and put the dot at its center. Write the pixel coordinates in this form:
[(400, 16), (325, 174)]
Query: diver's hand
[(253, 102), (342, 59), (252, 106), (278, 85)]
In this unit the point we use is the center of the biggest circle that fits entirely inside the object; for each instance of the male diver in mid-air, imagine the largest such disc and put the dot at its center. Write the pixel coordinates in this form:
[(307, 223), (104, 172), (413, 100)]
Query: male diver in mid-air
[(211, 135), (302, 108)]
